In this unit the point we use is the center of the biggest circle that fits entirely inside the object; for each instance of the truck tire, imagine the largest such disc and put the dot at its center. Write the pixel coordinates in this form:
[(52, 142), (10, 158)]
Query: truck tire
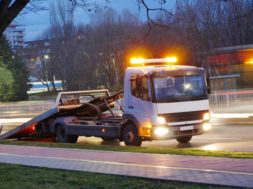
[(107, 139), (130, 136), (62, 135), (184, 139)]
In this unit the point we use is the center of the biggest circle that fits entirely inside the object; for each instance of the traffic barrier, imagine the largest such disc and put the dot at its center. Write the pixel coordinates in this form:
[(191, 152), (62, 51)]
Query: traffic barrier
[(228, 99)]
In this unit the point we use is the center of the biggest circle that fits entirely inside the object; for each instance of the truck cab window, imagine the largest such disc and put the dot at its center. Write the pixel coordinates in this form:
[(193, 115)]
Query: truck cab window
[(139, 88), (133, 88)]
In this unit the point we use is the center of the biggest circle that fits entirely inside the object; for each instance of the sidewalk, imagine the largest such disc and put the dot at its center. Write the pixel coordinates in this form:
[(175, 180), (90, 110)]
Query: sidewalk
[(209, 170)]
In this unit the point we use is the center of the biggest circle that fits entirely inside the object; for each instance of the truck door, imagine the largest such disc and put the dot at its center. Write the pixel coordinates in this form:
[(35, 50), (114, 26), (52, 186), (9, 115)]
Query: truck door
[(139, 100)]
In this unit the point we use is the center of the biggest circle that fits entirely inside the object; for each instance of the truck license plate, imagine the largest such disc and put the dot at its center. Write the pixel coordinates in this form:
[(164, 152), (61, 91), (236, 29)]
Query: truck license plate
[(186, 128)]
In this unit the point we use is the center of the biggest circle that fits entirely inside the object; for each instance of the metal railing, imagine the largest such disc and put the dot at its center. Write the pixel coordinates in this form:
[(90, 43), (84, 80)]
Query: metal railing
[(23, 109), (230, 99)]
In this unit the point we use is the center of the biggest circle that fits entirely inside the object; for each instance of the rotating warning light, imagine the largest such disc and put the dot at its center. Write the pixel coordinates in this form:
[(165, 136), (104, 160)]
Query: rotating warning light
[(156, 61), (137, 61), (171, 59), (249, 61)]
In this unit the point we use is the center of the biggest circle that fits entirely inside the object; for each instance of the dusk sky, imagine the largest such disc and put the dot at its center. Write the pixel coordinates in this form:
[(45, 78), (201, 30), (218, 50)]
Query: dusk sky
[(36, 23)]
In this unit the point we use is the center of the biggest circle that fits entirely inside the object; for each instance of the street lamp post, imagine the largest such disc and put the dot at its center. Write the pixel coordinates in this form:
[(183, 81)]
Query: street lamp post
[(46, 57)]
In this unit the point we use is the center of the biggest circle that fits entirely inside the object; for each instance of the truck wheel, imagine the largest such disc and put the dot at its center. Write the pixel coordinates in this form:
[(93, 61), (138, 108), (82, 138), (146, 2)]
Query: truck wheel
[(130, 136), (107, 139), (184, 139), (62, 135)]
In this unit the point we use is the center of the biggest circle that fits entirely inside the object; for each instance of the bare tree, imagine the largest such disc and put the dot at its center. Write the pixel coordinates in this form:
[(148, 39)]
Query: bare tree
[(62, 34), (107, 40), (90, 56)]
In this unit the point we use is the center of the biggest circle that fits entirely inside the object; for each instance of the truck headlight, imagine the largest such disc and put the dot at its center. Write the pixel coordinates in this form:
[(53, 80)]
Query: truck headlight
[(206, 116), (206, 126), (161, 131), (161, 120)]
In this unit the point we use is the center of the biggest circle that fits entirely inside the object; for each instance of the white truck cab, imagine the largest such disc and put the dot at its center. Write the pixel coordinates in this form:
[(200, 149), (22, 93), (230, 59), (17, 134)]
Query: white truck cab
[(166, 101)]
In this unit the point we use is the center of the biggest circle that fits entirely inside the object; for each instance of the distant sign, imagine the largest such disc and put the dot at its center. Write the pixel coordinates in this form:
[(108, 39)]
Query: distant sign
[(230, 58), (233, 57)]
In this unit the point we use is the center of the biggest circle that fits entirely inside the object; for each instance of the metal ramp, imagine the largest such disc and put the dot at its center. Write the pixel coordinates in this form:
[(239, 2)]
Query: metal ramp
[(24, 130)]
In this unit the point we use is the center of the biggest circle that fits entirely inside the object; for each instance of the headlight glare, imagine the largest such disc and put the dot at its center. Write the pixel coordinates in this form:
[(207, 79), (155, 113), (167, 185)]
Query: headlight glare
[(207, 116), (161, 120), (207, 126), (161, 131)]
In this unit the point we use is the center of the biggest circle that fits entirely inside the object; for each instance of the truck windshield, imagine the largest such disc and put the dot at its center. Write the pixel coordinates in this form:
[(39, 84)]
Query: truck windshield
[(179, 88)]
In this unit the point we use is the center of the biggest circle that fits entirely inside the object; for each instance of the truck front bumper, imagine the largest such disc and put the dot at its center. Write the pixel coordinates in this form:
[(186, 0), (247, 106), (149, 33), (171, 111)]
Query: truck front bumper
[(172, 132)]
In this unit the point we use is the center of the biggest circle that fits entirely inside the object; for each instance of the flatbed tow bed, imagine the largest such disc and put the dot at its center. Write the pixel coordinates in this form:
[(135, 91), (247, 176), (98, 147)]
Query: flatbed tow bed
[(90, 111)]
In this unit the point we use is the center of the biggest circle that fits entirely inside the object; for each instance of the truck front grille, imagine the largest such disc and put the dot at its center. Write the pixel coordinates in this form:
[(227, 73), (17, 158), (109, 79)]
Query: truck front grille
[(183, 116)]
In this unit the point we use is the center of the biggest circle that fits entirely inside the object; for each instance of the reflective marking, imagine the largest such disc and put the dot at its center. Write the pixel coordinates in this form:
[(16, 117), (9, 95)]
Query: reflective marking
[(132, 164)]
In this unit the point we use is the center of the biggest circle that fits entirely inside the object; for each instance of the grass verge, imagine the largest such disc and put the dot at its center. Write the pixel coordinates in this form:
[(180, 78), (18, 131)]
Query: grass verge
[(181, 151), (23, 177)]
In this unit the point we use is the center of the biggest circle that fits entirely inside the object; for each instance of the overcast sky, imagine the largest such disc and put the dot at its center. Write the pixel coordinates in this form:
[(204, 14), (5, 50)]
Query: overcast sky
[(36, 23)]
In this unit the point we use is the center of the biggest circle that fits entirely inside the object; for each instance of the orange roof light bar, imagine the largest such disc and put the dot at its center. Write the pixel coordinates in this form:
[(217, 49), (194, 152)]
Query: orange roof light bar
[(171, 59), (137, 61), (249, 61), (153, 61)]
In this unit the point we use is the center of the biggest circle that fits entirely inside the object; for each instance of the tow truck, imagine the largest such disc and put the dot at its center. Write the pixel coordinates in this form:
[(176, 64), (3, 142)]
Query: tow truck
[(161, 101)]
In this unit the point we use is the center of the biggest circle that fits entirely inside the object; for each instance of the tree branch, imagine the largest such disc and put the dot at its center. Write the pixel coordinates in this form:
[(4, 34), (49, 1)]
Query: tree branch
[(148, 10), (9, 13), (150, 21)]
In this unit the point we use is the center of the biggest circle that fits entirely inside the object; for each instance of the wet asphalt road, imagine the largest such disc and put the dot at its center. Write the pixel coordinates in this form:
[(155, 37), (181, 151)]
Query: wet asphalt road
[(226, 135)]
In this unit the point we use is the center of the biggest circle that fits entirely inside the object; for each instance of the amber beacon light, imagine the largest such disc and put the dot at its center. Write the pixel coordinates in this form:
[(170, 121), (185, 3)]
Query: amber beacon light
[(138, 61)]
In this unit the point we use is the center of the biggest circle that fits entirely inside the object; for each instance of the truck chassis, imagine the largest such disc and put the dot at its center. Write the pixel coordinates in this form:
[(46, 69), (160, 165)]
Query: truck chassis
[(70, 119)]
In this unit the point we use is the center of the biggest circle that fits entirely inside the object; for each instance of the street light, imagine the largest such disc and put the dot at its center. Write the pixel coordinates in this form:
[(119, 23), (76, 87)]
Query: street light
[(46, 56)]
